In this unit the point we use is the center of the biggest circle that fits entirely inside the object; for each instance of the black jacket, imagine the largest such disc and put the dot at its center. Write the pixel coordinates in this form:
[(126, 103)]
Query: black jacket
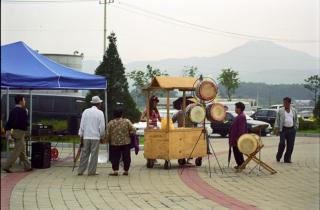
[(18, 119)]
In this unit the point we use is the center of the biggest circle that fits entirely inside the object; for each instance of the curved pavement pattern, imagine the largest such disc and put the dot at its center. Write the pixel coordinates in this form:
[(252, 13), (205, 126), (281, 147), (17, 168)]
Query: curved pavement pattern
[(295, 186)]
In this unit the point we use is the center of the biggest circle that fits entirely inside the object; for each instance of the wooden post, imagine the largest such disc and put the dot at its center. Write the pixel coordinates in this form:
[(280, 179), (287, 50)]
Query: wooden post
[(168, 109), (184, 108), (204, 121), (147, 107)]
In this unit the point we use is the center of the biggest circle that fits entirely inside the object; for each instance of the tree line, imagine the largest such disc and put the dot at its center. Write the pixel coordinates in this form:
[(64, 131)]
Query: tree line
[(228, 81)]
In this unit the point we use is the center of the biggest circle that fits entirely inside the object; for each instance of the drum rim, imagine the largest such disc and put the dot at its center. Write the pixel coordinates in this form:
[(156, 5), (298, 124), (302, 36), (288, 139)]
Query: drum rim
[(212, 112), (255, 143), (200, 87), (203, 111)]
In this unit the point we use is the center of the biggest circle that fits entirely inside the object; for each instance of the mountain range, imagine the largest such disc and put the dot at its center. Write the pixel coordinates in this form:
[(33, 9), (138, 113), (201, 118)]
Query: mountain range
[(256, 61)]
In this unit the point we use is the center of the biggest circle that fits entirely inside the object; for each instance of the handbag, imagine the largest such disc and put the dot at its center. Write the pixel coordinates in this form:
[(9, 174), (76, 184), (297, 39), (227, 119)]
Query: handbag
[(134, 142)]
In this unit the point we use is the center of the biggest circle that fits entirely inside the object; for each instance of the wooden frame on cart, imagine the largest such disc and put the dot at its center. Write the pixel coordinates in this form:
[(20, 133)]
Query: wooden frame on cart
[(177, 143)]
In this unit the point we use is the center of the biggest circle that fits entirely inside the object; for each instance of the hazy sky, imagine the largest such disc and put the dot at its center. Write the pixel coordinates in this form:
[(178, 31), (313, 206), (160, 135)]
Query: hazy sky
[(146, 30)]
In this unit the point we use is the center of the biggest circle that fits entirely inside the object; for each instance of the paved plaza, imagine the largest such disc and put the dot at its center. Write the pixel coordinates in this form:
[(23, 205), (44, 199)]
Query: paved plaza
[(294, 186)]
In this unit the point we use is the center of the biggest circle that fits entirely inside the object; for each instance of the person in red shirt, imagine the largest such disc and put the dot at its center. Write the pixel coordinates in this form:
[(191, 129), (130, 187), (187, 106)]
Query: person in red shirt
[(154, 115)]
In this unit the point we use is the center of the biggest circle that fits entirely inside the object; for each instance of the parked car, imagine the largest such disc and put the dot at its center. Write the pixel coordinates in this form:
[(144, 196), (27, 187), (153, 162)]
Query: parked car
[(276, 106), (140, 126), (266, 115), (223, 128)]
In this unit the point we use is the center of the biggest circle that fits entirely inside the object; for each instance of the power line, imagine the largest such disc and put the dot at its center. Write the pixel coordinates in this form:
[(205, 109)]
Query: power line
[(214, 29), (164, 18), (49, 1), (172, 22)]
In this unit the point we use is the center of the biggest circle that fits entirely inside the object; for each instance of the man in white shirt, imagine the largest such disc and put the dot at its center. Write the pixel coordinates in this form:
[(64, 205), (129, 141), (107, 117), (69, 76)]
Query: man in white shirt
[(92, 129), (286, 122)]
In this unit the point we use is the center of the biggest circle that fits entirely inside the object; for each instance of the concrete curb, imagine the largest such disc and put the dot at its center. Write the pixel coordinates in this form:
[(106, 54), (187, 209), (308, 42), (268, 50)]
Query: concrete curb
[(5, 154), (308, 135), (70, 145)]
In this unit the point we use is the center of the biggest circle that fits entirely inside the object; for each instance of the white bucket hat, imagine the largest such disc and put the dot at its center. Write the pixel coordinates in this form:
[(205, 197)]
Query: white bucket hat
[(96, 100)]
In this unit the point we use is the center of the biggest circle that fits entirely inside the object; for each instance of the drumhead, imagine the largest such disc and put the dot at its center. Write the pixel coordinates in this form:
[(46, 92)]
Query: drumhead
[(197, 114), (207, 90), (248, 143), (218, 112)]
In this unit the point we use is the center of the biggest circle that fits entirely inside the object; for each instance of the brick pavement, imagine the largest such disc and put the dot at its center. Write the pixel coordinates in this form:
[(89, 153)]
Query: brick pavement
[(295, 186)]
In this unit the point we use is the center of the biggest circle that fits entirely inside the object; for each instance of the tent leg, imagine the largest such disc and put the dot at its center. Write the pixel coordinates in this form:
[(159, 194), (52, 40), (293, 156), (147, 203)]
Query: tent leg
[(30, 114), (106, 105), (30, 124), (106, 116), (7, 116)]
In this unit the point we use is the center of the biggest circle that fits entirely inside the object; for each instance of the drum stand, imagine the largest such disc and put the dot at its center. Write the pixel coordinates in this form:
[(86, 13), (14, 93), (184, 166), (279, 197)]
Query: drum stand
[(257, 160), (208, 152), (209, 144)]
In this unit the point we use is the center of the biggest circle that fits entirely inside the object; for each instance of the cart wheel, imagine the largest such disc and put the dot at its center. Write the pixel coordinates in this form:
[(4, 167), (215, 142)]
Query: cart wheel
[(150, 163), (182, 161), (198, 161), (167, 164), (54, 153)]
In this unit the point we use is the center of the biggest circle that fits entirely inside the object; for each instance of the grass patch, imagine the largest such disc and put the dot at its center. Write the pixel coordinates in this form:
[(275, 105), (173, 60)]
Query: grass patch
[(57, 125), (313, 131), (141, 140)]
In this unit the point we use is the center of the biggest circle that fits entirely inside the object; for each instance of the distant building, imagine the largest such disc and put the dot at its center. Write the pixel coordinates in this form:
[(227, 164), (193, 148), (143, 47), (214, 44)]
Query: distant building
[(71, 60)]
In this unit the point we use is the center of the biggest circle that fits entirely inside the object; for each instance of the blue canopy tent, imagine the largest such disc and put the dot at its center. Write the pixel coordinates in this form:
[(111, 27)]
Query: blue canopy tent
[(24, 68)]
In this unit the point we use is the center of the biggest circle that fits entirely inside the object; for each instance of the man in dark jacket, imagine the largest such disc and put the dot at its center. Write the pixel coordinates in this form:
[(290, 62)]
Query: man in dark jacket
[(18, 121), (238, 128)]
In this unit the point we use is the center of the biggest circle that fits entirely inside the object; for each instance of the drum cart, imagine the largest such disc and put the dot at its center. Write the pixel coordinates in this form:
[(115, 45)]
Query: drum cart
[(177, 143)]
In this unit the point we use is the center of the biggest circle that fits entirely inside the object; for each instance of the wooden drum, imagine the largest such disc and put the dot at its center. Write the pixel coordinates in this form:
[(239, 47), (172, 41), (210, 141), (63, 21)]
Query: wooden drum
[(248, 143), (215, 112), (196, 113), (206, 90)]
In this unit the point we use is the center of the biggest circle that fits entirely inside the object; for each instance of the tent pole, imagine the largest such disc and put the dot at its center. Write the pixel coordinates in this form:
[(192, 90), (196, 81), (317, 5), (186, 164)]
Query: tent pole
[(106, 106), (7, 116), (30, 114), (106, 115)]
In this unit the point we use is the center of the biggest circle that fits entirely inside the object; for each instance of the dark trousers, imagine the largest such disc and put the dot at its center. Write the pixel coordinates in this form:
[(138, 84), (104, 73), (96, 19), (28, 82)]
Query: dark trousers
[(238, 156), (286, 135), (115, 154)]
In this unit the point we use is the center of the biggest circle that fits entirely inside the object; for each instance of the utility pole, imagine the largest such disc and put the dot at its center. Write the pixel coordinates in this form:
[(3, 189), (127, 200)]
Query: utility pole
[(103, 54), (105, 27), (104, 50), (105, 24)]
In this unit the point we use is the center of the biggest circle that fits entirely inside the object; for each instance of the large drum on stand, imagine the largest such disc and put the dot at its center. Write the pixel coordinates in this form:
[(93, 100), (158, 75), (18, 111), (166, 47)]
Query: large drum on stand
[(206, 90), (248, 143), (196, 113), (215, 112)]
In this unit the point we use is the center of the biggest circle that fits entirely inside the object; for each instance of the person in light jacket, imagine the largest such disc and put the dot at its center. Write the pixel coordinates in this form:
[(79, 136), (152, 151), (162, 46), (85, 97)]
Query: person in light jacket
[(91, 131), (286, 124)]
